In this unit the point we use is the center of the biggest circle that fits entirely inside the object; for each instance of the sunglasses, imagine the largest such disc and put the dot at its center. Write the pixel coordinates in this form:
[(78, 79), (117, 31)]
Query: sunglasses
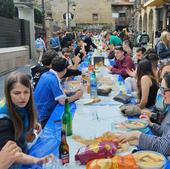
[(164, 90)]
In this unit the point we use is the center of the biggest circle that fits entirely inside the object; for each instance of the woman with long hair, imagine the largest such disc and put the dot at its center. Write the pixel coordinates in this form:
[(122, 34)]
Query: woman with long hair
[(146, 84), (163, 46), (160, 141), (18, 116)]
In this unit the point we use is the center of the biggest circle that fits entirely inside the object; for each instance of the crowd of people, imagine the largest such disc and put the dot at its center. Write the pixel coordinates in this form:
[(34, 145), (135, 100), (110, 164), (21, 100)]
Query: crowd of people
[(28, 104)]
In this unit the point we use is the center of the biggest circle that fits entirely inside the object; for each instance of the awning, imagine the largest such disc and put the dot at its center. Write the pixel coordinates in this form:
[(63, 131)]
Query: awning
[(154, 3)]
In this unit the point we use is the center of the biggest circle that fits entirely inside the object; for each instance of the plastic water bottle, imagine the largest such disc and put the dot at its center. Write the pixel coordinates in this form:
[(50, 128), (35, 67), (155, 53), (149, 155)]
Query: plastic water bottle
[(93, 85), (121, 84)]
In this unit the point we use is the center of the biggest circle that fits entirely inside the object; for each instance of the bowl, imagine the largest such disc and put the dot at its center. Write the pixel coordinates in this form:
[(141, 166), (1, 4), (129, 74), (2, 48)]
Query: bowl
[(135, 124), (149, 160)]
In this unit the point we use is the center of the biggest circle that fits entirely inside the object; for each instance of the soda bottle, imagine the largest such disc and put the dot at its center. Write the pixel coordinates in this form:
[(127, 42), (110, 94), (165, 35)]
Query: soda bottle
[(67, 119), (93, 85), (64, 149)]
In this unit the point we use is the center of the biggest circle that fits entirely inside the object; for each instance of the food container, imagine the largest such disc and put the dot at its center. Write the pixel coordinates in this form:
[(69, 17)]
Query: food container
[(149, 160), (72, 86), (135, 124), (103, 149), (131, 125)]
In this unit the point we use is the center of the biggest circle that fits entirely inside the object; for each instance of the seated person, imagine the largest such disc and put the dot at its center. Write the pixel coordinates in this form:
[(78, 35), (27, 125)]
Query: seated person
[(80, 50), (131, 81), (38, 70), (113, 39), (156, 114), (18, 116), (160, 141), (9, 154), (122, 62), (146, 84), (88, 40), (72, 68), (49, 92)]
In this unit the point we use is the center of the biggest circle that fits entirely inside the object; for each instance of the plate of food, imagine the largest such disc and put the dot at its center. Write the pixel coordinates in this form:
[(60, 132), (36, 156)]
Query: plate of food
[(149, 160), (72, 85), (122, 127), (135, 124), (92, 101)]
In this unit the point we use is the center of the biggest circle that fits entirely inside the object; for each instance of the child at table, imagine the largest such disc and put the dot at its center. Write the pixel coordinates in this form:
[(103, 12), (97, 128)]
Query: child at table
[(160, 141), (17, 116)]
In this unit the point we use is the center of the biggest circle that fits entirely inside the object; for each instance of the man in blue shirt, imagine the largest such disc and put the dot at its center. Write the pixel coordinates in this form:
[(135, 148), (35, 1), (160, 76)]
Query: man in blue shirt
[(55, 42), (49, 92), (40, 47)]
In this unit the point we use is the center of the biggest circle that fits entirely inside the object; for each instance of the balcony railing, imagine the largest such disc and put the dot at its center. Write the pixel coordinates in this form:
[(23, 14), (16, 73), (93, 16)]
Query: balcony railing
[(28, 3)]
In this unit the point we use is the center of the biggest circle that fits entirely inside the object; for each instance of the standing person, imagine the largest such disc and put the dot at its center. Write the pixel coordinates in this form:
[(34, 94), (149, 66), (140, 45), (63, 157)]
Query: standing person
[(55, 42), (163, 47), (17, 116), (144, 39), (40, 47)]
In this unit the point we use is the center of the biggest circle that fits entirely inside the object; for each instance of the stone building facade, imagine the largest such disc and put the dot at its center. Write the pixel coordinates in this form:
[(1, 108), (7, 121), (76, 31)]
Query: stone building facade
[(92, 13), (152, 15)]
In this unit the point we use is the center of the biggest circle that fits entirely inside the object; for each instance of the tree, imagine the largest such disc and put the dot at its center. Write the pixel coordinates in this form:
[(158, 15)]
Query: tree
[(37, 16), (7, 8)]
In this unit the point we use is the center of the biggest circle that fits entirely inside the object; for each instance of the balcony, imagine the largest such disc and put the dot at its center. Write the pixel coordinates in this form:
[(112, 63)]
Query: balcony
[(123, 2), (151, 3), (24, 3)]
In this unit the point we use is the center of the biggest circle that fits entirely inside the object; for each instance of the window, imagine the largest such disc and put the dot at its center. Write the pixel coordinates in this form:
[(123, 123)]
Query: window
[(95, 16), (122, 14)]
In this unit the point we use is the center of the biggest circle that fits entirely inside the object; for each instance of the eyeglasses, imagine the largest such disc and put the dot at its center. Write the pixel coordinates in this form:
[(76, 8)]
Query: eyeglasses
[(164, 90)]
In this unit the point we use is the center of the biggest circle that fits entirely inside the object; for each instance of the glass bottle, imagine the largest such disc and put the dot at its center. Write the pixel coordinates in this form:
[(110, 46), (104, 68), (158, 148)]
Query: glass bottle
[(64, 149), (67, 119)]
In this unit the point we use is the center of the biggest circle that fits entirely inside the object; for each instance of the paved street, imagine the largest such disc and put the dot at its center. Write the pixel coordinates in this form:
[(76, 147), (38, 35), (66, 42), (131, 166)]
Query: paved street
[(24, 69)]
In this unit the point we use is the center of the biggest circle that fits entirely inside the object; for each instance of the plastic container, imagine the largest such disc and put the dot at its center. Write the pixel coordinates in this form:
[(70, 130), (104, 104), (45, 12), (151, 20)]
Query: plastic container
[(93, 85), (149, 160)]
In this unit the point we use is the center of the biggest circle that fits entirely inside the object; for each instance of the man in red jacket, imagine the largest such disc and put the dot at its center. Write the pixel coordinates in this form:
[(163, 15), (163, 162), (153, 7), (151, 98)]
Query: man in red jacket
[(123, 62)]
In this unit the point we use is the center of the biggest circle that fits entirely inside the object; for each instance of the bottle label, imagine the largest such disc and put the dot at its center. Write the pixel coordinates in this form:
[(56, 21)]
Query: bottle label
[(64, 158)]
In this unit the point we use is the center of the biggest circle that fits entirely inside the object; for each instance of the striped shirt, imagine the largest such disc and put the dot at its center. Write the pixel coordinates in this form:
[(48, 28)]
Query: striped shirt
[(160, 141)]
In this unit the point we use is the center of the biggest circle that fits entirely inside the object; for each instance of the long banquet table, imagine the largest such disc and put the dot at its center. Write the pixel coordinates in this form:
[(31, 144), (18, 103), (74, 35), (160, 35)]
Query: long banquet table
[(89, 121)]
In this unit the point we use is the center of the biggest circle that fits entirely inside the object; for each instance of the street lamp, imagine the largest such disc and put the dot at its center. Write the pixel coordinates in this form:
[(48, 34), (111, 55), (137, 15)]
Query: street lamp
[(68, 15), (74, 6)]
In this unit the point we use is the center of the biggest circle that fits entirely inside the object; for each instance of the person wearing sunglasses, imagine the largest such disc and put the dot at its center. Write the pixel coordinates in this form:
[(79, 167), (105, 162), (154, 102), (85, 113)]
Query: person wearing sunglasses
[(160, 141)]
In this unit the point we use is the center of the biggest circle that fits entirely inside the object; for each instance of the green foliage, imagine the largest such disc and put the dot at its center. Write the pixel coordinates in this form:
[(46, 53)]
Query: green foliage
[(37, 16), (7, 8)]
